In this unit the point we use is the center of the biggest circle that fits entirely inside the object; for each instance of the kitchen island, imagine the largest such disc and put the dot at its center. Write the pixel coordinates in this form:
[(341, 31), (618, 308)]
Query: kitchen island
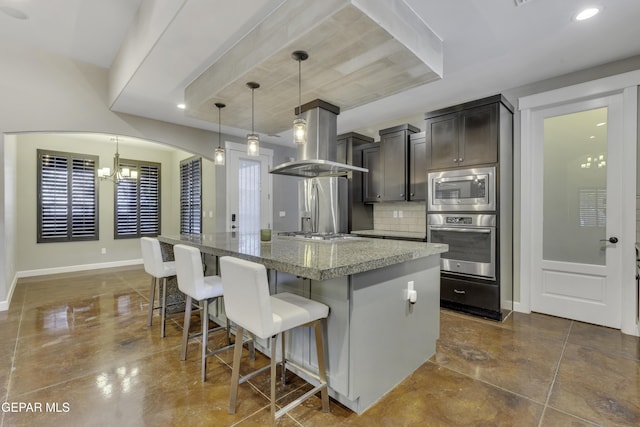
[(375, 336)]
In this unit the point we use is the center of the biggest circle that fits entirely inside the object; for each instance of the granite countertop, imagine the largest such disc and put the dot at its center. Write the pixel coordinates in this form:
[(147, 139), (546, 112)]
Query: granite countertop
[(318, 260), (388, 233)]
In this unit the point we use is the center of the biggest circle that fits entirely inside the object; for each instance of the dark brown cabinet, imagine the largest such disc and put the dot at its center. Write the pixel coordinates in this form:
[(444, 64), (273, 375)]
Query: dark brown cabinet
[(372, 182), (464, 136), (395, 162), (360, 215), (417, 167)]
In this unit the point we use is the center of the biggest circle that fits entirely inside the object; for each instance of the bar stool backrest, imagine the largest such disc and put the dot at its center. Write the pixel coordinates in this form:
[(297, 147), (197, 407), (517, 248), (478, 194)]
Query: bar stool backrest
[(152, 256), (189, 269), (246, 295)]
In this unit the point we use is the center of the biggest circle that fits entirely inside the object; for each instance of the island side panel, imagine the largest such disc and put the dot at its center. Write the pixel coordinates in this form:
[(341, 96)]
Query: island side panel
[(390, 337), (301, 346)]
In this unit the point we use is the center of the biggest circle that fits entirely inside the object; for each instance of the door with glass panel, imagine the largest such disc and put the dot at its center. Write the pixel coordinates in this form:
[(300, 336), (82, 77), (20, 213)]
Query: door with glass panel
[(248, 190), (576, 212)]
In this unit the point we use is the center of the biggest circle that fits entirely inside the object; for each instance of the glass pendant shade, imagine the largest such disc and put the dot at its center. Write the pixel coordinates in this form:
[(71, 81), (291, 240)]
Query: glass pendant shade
[(253, 140), (218, 158), (253, 145), (219, 155), (300, 131)]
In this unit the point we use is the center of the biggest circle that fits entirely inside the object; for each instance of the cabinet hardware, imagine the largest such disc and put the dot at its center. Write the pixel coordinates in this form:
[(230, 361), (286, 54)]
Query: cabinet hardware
[(459, 292)]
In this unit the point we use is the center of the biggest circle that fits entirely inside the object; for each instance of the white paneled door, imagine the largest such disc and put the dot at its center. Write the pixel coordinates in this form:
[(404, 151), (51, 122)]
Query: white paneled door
[(576, 210), (249, 206)]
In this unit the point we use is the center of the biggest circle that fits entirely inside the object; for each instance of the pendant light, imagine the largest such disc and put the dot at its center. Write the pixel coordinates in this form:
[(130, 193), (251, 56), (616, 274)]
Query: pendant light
[(218, 158), (253, 140), (300, 124)]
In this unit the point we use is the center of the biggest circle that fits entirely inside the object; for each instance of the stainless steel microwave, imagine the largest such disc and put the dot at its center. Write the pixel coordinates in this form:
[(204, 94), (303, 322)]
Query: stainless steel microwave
[(462, 190)]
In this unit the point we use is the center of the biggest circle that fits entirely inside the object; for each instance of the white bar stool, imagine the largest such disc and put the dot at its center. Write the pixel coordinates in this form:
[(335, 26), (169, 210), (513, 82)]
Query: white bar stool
[(249, 305), (159, 270), (200, 288)]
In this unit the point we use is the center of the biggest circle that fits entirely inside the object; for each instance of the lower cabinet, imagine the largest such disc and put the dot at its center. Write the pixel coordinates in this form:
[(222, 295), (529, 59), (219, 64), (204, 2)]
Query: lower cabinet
[(482, 299)]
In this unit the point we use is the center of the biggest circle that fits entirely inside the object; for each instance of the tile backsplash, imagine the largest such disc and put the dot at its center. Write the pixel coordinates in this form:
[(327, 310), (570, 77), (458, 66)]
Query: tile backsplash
[(401, 216)]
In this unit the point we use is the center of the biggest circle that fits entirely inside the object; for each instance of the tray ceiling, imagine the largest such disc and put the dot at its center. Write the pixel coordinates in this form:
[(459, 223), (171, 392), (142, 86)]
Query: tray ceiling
[(357, 54)]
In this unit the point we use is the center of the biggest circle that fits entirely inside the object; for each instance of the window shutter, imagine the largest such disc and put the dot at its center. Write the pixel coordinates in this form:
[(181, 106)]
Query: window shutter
[(137, 206), (191, 196), (149, 200), (67, 197), (84, 201)]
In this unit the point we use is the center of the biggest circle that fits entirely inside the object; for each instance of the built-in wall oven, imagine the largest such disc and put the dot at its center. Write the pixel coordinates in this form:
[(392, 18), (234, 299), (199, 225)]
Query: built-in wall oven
[(472, 243), (462, 190)]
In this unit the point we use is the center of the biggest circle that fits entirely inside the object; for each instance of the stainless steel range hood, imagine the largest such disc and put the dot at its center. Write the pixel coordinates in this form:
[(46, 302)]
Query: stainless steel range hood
[(318, 156)]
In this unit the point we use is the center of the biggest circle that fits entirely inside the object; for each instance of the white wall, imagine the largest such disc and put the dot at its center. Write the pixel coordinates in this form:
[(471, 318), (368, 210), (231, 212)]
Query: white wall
[(35, 256), (41, 92)]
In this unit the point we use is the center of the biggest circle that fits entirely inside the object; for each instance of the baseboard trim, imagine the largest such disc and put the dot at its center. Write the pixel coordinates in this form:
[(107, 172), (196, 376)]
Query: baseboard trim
[(4, 305), (74, 268), (520, 308)]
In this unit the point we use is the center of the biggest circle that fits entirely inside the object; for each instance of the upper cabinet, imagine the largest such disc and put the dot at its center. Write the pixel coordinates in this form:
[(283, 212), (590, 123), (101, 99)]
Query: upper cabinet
[(395, 162), (465, 135), (417, 167), (349, 151), (372, 182)]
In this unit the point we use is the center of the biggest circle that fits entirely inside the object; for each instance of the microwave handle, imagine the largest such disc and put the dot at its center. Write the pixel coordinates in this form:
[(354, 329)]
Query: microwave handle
[(466, 230)]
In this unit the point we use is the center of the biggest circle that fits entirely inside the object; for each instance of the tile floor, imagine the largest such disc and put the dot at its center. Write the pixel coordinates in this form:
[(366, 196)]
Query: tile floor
[(76, 351)]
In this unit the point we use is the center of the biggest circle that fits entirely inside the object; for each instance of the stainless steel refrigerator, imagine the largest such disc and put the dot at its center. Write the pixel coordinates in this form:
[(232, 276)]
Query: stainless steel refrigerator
[(323, 205)]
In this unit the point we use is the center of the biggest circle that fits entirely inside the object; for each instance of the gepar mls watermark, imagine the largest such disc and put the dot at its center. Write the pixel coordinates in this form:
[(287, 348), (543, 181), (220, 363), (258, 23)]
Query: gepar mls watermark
[(36, 407)]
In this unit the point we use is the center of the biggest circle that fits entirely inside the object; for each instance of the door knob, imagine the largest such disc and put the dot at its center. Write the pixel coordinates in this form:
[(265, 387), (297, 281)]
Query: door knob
[(610, 240)]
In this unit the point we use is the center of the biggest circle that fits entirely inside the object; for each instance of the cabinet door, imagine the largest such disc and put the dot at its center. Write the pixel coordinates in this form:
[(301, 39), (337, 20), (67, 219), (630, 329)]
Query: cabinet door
[(418, 169), (372, 181), (442, 137), (479, 135), (356, 177), (394, 148)]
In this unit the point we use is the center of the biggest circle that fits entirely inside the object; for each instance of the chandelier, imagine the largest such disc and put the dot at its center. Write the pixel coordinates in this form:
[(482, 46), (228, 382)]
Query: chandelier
[(118, 173)]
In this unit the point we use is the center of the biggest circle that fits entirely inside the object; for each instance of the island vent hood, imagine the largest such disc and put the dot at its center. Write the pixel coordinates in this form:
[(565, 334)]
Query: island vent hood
[(318, 156)]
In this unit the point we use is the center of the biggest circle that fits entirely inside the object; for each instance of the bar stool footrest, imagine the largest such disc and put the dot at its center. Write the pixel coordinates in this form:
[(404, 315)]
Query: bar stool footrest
[(299, 400)]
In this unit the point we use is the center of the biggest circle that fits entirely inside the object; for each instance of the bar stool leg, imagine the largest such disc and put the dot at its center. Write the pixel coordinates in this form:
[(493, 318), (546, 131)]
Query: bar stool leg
[(185, 328), (235, 370), (164, 305), (274, 342), (152, 300), (284, 360), (204, 318), (322, 372)]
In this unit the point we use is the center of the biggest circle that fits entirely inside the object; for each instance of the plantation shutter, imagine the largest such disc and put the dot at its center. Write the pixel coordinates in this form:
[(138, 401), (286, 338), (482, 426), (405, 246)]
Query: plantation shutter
[(137, 205), (191, 196), (67, 197)]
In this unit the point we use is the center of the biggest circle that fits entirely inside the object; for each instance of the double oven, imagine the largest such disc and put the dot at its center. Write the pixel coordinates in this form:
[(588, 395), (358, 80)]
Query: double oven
[(462, 212)]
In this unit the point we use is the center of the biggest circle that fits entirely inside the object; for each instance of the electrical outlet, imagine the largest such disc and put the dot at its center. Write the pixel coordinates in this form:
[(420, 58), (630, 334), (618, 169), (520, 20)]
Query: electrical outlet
[(103, 251), (399, 214), (395, 214), (283, 213)]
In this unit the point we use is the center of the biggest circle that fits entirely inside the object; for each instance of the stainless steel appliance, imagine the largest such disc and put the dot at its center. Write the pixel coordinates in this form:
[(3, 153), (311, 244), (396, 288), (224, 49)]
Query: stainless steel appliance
[(462, 190), (472, 243), (323, 205), (318, 156)]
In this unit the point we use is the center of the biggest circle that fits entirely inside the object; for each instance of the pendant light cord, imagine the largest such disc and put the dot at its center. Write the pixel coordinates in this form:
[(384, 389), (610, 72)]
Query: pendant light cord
[(252, 114), (299, 87), (219, 127)]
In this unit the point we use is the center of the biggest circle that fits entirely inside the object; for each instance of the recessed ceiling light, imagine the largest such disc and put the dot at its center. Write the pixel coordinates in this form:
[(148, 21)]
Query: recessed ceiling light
[(14, 13), (592, 137), (182, 106), (601, 124), (587, 13)]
